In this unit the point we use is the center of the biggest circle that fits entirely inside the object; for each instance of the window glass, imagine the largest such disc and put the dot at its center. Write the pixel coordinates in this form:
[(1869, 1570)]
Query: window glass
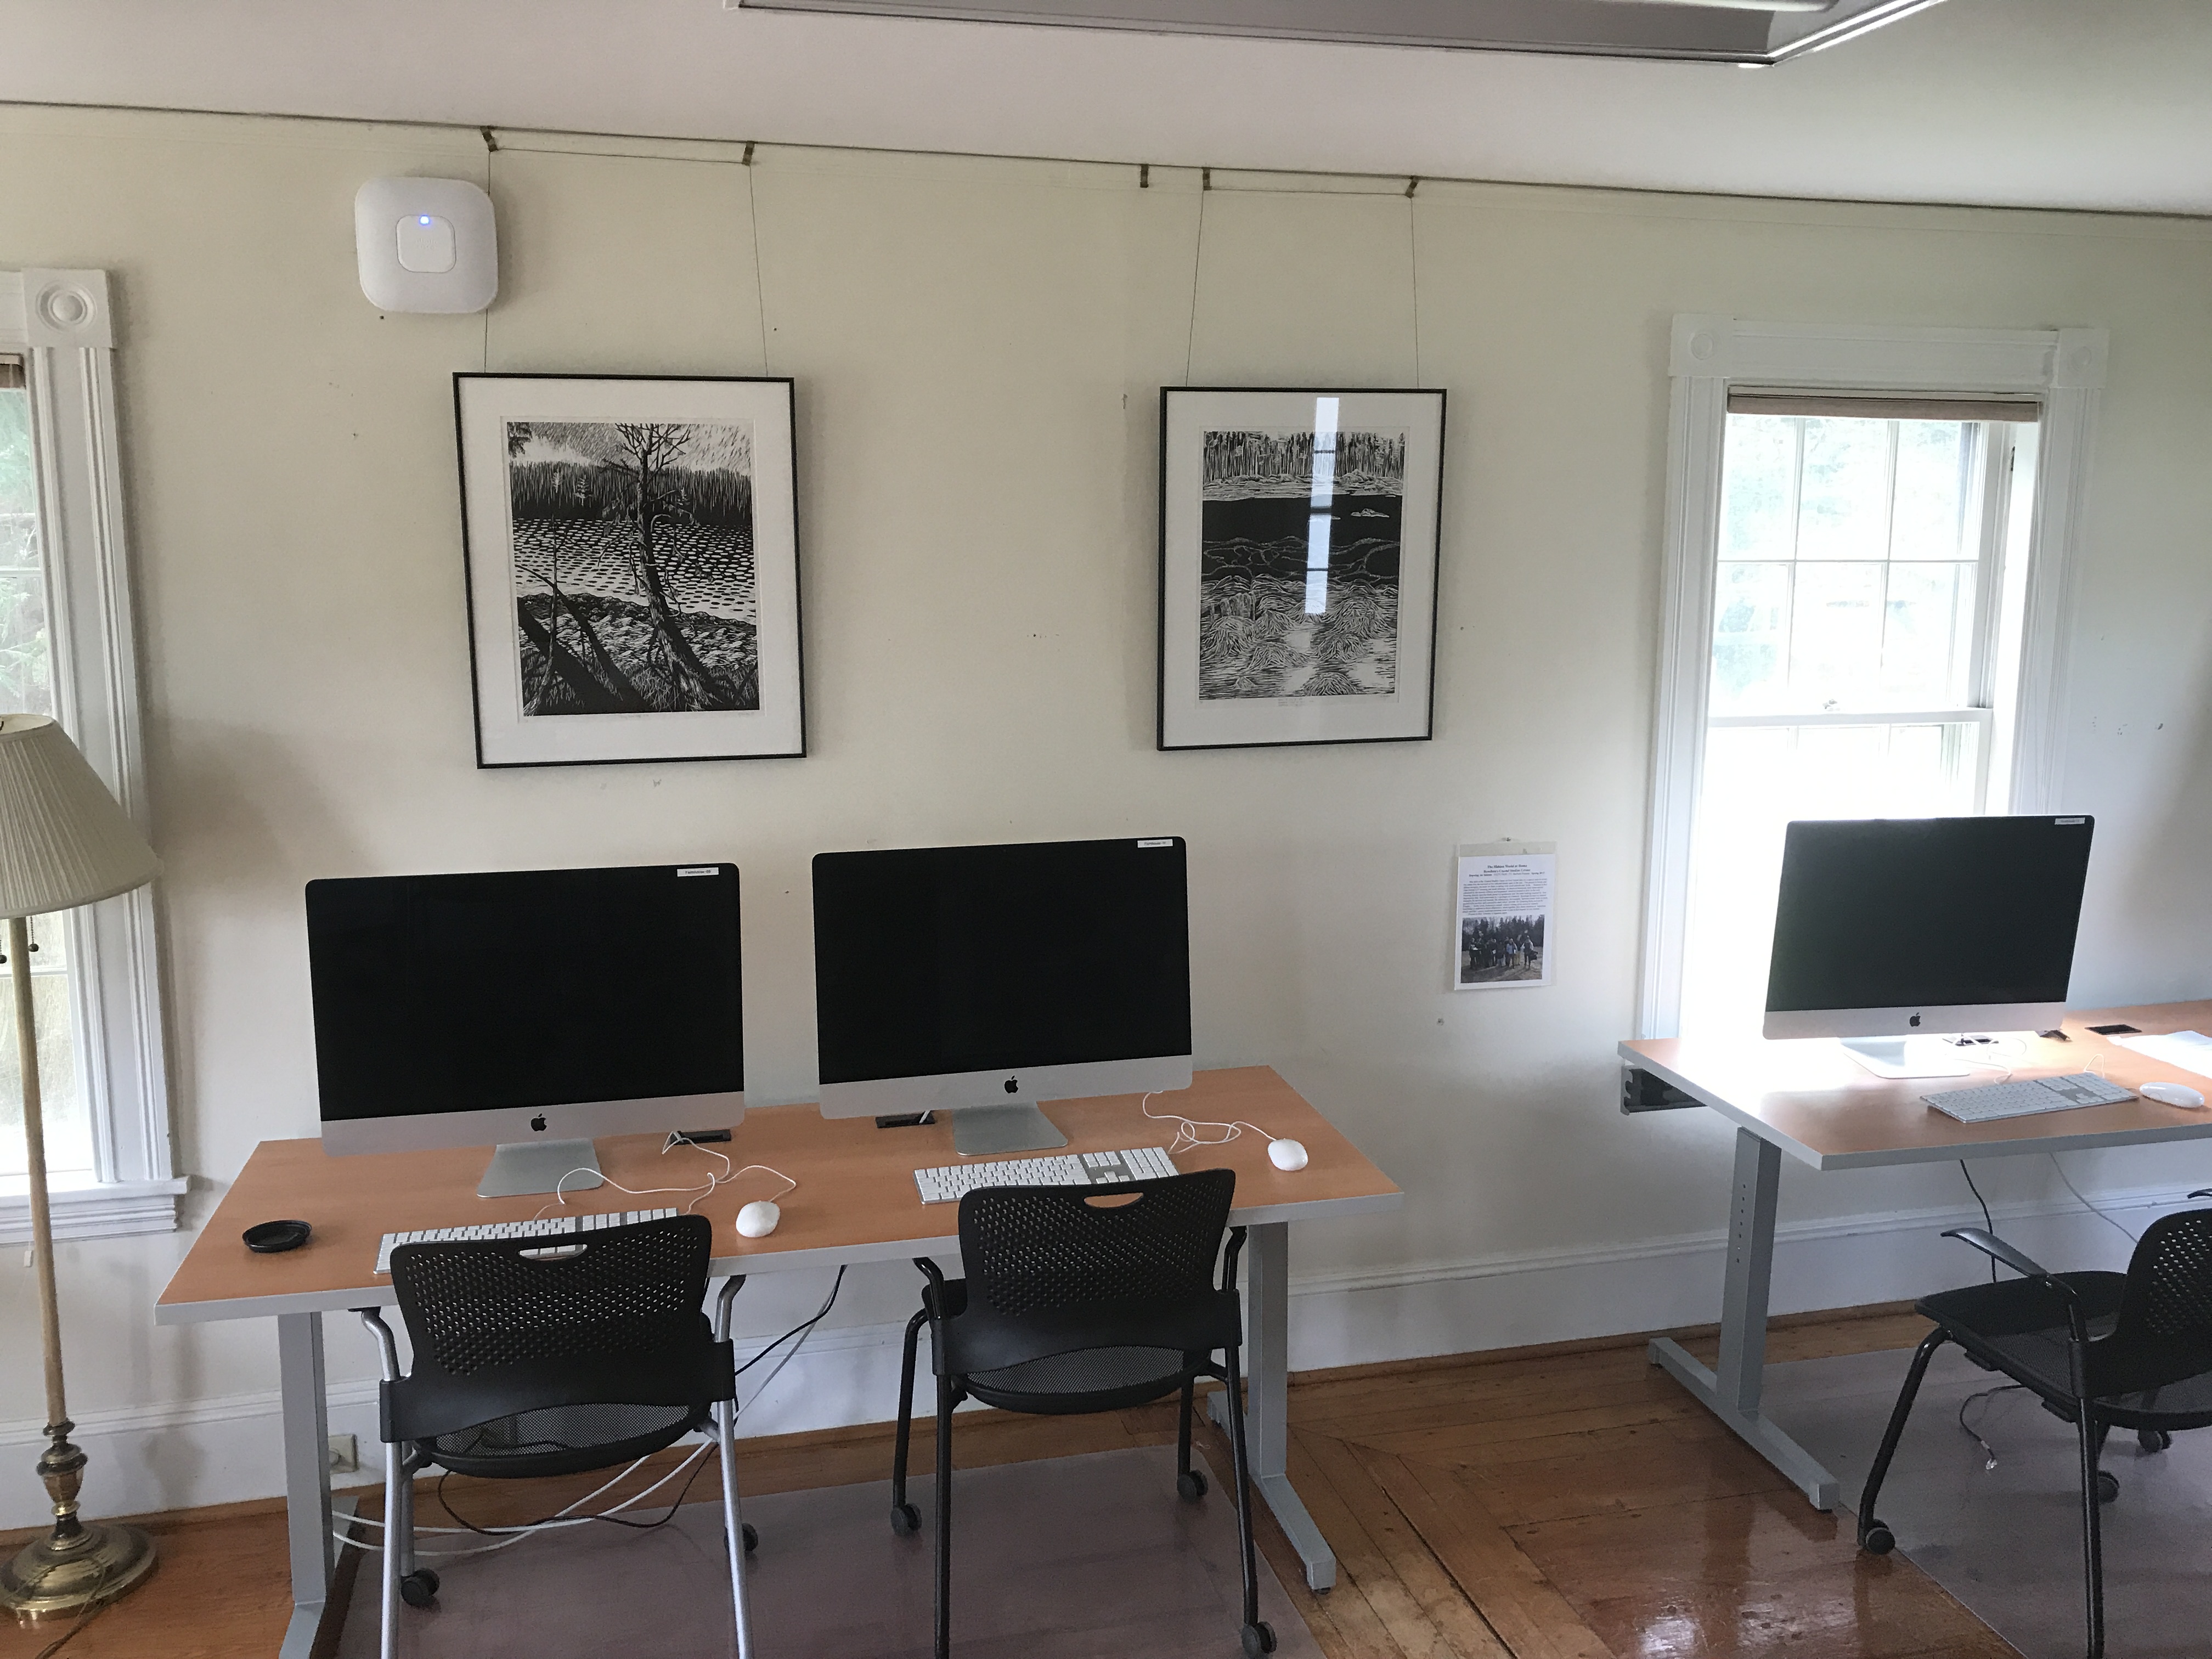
[(27, 687), (1849, 584)]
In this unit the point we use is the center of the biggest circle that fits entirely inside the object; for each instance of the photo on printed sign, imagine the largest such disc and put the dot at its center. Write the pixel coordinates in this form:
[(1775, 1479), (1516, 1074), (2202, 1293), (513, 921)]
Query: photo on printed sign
[(632, 554), (1298, 553)]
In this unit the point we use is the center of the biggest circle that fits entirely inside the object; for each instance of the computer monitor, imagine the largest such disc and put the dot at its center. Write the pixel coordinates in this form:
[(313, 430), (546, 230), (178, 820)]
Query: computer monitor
[(979, 980), (1906, 928), (528, 1010)]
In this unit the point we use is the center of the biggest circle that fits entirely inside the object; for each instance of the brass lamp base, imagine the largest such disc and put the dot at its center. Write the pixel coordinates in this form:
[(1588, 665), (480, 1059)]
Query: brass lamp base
[(54, 1578)]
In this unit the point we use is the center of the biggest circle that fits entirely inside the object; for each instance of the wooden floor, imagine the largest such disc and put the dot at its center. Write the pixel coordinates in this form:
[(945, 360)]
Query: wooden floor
[(1565, 1503)]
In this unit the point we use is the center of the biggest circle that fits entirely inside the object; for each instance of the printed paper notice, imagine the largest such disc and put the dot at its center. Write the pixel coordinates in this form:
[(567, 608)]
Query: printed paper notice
[(1505, 920)]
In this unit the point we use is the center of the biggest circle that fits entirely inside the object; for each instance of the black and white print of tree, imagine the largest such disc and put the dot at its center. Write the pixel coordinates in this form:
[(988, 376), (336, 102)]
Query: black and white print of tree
[(1297, 581), (634, 566)]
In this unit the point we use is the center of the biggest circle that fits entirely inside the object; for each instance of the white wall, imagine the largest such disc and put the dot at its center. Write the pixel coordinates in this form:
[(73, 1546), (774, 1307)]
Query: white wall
[(979, 347)]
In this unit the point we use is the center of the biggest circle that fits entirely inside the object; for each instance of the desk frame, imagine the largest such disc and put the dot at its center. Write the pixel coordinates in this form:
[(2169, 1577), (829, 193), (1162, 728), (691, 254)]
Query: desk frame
[(297, 1292), (1816, 1127)]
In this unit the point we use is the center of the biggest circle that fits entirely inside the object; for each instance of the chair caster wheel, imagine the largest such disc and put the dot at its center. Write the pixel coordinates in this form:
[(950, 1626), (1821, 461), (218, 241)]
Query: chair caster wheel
[(906, 1520), (2153, 1441), (419, 1588), (1258, 1639), (1878, 1540), (1192, 1484), (2108, 1486), (752, 1538)]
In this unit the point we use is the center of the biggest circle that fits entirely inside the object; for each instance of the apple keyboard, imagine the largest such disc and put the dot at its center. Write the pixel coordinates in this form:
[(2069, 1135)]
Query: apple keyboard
[(2027, 1096), (952, 1182), (549, 1226)]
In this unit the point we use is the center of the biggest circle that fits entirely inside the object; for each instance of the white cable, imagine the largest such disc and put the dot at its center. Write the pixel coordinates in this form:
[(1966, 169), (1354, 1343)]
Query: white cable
[(558, 1519), (2133, 1238), (1187, 1136), (561, 1196)]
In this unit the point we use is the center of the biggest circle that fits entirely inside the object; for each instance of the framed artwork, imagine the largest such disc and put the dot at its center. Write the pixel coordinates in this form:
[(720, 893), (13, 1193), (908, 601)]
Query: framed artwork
[(1298, 553), (632, 550)]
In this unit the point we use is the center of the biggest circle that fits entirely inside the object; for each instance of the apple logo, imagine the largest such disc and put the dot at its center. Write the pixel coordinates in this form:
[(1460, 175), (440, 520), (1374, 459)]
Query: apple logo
[(1013, 1085), (538, 1123), (1914, 1021)]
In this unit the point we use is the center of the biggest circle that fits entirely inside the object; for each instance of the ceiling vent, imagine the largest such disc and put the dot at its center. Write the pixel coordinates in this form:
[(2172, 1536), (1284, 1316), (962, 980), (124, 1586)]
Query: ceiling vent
[(1713, 31)]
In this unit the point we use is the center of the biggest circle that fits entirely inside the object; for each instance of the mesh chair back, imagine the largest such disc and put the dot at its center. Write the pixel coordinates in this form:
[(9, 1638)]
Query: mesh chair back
[(630, 1291), (2164, 1332), (1045, 1250)]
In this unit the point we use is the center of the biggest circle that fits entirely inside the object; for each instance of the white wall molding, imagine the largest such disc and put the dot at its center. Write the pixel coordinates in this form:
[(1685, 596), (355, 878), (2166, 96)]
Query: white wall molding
[(2062, 368)]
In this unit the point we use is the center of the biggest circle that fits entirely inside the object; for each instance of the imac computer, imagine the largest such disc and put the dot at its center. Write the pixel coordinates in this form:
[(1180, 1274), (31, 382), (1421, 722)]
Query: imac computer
[(1905, 930), (527, 1010), (979, 980)]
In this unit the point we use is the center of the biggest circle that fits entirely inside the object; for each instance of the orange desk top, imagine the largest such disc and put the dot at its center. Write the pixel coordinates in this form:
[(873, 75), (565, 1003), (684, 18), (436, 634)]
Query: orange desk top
[(1817, 1103), (855, 1200)]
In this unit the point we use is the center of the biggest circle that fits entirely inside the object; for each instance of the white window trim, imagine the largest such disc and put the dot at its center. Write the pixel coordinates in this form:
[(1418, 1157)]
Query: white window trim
[(2063, 369), (62, 325)]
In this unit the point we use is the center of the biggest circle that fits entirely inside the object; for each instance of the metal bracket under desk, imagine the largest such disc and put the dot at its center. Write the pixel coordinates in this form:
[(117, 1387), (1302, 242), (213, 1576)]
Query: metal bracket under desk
[(1267, 1396)]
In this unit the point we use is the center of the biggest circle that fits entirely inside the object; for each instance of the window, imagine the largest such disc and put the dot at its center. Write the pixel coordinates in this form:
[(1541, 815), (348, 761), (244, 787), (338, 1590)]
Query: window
[(66, 649), (1867, 543), (1860, 627)]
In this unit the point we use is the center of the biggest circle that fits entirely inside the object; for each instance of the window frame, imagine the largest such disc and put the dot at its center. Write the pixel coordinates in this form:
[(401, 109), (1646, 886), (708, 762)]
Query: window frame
[(2062, 369), (61, 324)]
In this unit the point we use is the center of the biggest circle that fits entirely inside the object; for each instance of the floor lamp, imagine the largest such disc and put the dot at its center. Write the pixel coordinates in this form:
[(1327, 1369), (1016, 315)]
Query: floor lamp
[(63, 842)]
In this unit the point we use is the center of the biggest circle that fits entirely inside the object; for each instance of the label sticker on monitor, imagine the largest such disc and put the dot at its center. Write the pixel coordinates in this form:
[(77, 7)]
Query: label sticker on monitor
[(1166, 841), (700, 870), (2070, 820)]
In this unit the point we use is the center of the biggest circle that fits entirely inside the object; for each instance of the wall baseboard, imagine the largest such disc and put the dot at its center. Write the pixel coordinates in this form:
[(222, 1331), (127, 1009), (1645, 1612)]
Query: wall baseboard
[(225, 1448)]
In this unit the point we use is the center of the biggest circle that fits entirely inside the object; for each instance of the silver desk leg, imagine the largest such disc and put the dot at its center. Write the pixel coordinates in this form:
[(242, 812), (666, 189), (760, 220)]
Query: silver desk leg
[(1731, 1390), (1267, 1395), (306, 1476)]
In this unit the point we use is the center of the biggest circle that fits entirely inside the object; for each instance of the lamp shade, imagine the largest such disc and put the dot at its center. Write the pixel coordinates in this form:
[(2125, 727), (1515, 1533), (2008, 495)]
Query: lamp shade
[(64, 841)]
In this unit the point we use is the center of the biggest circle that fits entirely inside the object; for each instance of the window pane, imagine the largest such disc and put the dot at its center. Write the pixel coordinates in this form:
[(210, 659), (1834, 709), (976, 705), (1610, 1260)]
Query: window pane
[(1751, 639), (1835, 628), (27, 687), (1929, 523), (1758, 779), (1928, 642), (1844, 512), (1759, 459)]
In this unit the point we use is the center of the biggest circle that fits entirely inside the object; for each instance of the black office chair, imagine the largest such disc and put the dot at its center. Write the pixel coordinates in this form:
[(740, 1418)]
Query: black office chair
[(1084, 1299), (537, 1358), (2102, 1350)]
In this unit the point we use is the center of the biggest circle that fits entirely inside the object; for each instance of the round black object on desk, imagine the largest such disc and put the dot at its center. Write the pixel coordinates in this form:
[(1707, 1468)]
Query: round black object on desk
[(270, 1237)]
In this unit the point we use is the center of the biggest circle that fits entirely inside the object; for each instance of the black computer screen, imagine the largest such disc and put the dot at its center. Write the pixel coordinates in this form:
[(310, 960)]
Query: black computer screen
[(526, 988), (1886, 912), (952, 959)]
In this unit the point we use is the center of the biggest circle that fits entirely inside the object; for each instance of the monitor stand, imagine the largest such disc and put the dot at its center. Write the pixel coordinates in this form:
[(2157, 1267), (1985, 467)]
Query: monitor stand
[(1904, 1057), (1019, 1128), (523, 1169)]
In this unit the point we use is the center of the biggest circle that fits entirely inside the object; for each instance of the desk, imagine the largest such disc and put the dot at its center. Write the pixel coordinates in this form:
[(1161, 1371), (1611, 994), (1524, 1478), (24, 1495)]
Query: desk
[(1811, 1100), (855, 1202)]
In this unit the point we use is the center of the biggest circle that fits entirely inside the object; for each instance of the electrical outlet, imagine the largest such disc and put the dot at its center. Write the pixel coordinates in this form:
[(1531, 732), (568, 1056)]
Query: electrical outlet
[(345, 1455)]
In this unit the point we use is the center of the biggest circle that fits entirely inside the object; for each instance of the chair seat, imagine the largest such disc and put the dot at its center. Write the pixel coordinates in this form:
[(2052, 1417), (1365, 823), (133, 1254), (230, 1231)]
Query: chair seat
[(563, 1440), (2020, 1328), (1092, 1380)]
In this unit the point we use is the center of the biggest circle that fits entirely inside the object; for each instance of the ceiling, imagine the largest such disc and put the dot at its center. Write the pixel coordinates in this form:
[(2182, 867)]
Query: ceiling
[(2101, 103)]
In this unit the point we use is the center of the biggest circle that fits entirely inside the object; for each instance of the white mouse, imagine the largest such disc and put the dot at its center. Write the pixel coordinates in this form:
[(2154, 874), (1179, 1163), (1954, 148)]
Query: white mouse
[(1286, 1154), (2171, 1094), (758, 1218)]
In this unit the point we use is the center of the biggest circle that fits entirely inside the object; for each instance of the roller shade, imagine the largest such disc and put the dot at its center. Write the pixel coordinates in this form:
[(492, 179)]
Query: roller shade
[(11, 373), (1873, 406)]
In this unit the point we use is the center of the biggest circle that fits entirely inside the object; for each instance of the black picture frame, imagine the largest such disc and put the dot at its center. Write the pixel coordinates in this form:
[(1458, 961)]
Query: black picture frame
[(630, 550), (1300, 553)]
